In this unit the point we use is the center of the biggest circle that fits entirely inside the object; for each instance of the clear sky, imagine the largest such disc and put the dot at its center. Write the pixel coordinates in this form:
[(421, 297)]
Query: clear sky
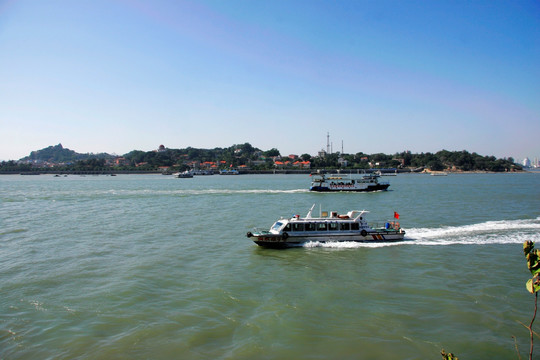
[(379, 76)]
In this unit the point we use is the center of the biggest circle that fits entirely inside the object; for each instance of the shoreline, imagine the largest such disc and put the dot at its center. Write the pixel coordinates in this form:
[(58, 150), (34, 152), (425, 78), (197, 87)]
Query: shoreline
[(261, 172)]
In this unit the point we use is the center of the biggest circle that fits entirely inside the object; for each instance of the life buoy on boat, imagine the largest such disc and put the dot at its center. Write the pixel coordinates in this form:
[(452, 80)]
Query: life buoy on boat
[(284, 236), (363, 232)]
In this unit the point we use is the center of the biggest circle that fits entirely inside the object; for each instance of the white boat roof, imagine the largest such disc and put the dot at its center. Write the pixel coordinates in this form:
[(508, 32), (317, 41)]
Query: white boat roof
[(345, 176), (328, 215)]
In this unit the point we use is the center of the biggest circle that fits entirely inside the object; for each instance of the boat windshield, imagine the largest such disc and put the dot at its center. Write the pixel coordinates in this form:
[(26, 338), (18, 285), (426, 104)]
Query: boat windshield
[(277, 225)]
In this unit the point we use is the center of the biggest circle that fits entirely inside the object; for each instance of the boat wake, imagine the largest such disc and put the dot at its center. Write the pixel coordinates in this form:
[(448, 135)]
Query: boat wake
[(486, 233), (257, 191), (185, 192), (489, 232)]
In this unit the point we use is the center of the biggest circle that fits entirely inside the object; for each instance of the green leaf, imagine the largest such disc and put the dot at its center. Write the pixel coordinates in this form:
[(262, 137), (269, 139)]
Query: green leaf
[(448, 356), (529, 286), (533, 285), (533, 261), (527, 247), (534, 266)]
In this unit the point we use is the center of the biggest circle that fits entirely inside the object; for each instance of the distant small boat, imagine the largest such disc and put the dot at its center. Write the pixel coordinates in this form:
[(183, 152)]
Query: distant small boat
[(203, 172), (229, 172), (438, 173), (183, 174)]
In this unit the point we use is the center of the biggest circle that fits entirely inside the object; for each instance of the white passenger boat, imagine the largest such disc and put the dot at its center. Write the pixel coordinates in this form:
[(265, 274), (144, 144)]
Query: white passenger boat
[(347, 182), (327, 227), (184, 174)]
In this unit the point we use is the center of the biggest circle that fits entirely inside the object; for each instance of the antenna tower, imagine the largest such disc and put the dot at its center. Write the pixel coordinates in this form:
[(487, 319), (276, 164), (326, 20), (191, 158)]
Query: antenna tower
[(328, 143)]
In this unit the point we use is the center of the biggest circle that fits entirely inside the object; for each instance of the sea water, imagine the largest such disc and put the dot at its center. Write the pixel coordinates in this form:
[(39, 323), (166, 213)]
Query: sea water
[(154, 267)]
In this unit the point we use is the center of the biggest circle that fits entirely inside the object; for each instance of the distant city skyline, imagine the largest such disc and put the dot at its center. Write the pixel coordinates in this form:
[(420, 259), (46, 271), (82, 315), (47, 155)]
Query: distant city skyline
[(383, 77)]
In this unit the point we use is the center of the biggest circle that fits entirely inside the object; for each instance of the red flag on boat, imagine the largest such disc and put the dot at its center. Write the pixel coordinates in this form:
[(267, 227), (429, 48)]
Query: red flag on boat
[(396, 215)]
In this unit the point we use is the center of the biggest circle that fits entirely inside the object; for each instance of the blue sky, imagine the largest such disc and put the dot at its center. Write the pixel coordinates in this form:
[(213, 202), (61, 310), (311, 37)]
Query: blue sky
[(379, 76)]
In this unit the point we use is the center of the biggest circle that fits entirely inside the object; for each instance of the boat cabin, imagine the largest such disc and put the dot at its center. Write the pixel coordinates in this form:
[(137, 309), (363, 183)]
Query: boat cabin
[(352, 221), (347, 182)]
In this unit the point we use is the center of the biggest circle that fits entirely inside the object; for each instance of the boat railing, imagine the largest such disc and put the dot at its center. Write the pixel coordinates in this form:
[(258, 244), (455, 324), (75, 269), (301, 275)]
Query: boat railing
[(390, 225)]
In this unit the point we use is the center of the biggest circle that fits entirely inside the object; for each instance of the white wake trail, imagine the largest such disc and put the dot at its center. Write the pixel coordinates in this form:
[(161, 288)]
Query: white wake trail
[(486, 233)]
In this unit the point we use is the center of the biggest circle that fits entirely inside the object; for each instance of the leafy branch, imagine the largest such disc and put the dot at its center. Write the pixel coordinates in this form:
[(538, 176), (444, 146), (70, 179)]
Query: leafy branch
[(533, 285), (448, 356)]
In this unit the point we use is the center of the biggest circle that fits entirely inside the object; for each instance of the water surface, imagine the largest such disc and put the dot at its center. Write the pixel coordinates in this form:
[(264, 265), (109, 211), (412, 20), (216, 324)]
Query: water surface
[(150, 266)]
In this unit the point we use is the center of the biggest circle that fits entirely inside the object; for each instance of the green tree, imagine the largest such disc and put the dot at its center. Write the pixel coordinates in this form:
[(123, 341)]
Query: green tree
[(435, 165), (407, 157), (272, 152)]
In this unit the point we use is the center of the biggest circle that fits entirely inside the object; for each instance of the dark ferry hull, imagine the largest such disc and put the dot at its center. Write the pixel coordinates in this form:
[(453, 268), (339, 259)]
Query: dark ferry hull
[(378, 187), (286, 241)]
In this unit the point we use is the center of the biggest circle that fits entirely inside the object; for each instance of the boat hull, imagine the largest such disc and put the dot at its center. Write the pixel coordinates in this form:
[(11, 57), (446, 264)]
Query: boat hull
[(378, 187), (285, 240)]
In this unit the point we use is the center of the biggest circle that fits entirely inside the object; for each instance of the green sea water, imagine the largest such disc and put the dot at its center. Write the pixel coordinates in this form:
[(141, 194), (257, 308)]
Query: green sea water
[(154, 267)]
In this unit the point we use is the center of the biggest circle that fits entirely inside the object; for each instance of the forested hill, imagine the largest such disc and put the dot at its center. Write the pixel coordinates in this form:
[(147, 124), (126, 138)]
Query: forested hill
[(253, 158), (59, 154)]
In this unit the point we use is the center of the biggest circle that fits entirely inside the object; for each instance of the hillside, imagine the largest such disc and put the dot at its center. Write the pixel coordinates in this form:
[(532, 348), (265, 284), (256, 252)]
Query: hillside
[(59, 154), (252, 158)]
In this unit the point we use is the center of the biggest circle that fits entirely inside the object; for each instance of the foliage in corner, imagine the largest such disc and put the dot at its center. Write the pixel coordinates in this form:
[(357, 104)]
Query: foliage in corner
[(533, 263), (448, 356), (533, 285)]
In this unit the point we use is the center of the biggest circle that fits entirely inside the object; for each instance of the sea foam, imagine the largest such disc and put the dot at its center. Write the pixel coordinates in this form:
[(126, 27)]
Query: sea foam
[(485, 233)]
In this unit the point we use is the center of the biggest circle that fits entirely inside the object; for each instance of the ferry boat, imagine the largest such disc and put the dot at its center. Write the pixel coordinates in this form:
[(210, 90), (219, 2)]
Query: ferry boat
[(327, 227), (184, 174), (347, 182)]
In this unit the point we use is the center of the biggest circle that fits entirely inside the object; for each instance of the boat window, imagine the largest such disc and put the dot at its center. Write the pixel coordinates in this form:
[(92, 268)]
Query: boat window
[(298, 226), (310, 227), (321, 226), (355, 226), (344, 226), (276, 226), (332, 226), (287, 227)]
